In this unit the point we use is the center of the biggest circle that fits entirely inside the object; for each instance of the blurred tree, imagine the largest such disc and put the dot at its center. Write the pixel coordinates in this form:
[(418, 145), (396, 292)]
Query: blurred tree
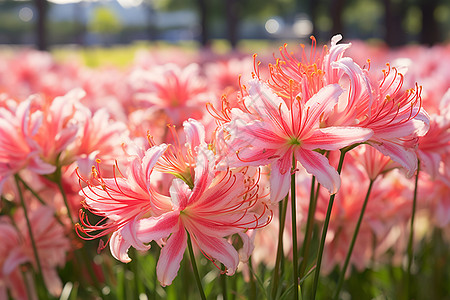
[(41, 30), (203, 12), (232, 16), (203, 8), (395, 12), (337, 8), (105, 23), (313, 13), (430, 34)]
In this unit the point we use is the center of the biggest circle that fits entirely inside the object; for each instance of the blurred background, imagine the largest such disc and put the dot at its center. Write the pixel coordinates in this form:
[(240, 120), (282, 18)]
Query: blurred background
[(46, 23)]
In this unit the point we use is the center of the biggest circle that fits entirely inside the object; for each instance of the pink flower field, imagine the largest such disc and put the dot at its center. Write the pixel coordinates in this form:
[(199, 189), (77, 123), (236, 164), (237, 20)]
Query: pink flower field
[(313, 172)]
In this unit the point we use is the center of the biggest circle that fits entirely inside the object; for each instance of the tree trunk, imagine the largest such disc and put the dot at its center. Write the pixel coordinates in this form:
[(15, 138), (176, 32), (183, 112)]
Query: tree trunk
[(204, 34), (313, 15), (394, 15), (337, 6), (41, 30), (231, 7), (430, 34)]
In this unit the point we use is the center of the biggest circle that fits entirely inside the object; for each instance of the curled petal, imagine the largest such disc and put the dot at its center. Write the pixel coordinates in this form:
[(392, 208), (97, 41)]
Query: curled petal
[(195, 133), (119, 247), (180, 193), (248, 245), (398, 153), (318, 165), (321, 104), (151, 157), (220, 249), (203, 172), (128, 232)]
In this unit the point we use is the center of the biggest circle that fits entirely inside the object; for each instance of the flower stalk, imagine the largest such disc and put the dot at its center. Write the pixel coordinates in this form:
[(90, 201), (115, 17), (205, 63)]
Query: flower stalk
[(308, 230), (194, 267), (325, 226), (411, 235), (352, 243), (223, 283), (294, 230), (276, 269), (30, 231)]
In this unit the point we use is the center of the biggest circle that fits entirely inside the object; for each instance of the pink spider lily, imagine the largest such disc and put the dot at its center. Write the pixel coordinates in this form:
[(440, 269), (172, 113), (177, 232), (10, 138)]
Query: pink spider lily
[(18, 150), (122, 199), (271, 132), (178, 92), (10, 277), (307, 74), (51, 243), (97, 137), (179, 160), (396, 118), (373, 161), (291, 76), (436, 142), (218, 205), (59, 127)]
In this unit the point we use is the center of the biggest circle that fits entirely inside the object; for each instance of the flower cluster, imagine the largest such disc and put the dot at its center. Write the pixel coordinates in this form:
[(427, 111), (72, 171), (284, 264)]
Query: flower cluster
[(206, 155)]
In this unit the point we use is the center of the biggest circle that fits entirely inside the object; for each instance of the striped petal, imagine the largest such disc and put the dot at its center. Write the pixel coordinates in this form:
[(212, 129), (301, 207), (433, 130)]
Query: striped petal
[(318, 165), (220, 249), (171, 256), (335, 138)]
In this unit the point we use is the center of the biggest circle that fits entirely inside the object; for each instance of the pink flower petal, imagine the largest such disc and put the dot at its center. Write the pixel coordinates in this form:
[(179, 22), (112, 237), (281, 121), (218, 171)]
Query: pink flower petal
[(129, 233), (335, 138), (195, 133), (220, 249), (149, 160), (203, 173), (321, 104), (268, 105), (15, 258), (119, 247), (171, 256), (279, 183), (151, 229), (52, 280), (405, 157), (180, 193), (318, 165)]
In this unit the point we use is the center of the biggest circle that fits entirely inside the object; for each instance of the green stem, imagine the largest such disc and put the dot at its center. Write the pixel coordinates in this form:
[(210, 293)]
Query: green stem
[(36, 195), (252, 293), (411, 234), (223, 283), (325, 228), (27, 284), (276, 269), (66, 202), (294, 230), (30, 230), (352, 243), (31, 190), (308, 231), (87, 261), (194, 267)]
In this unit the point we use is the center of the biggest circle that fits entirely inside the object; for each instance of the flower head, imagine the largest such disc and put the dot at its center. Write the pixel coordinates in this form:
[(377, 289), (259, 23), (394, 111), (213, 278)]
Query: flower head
[(122, 199), (218, 205), (272, 132)]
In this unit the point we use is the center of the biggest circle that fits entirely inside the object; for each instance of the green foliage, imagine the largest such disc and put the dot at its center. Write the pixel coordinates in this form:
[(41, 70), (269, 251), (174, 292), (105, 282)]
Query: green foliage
[(104, 21)]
